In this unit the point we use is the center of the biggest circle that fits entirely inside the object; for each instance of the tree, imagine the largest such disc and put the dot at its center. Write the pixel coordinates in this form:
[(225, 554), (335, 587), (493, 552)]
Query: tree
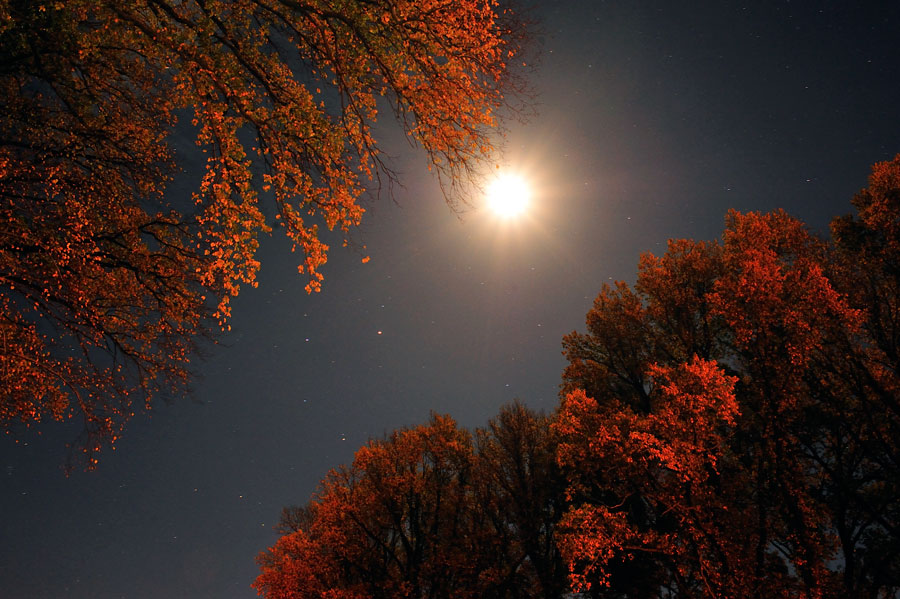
[(866, 482), (521, 490), (104, 285), (649, 484), (396, 523), (427, 513), (728, 425)]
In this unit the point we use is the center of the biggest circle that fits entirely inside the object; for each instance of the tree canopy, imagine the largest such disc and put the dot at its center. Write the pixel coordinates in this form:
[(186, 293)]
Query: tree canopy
[(429, 512), (106, 281), (729, 423)]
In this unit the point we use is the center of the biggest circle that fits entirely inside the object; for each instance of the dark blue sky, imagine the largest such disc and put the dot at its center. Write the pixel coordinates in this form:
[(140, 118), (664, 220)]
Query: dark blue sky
[(653, 121)]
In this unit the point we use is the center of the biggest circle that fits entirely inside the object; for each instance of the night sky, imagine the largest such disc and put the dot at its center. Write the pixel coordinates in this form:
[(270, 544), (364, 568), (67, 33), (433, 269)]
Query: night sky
[(653, 121)]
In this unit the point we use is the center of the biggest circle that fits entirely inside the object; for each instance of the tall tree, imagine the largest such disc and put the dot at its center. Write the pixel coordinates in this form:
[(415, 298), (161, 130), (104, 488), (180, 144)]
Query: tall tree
[(103, 285), (729, 424), (865, 376)]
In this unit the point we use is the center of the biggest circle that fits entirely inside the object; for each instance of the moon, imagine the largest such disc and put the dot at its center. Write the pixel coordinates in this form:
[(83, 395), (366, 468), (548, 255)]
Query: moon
[(508, 196)]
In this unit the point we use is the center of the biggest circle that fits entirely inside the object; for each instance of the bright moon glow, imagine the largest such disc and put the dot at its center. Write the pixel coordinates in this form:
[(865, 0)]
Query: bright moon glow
[(508, 196)]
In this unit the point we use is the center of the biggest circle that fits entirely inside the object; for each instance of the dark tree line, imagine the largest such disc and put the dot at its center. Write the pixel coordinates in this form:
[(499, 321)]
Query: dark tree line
[(728, 428)]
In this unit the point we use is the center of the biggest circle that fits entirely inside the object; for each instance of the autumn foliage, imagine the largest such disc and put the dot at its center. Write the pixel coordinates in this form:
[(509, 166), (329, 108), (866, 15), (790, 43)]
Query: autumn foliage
[(729, 424), (104, 280), (429, 512), (727, 428)]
